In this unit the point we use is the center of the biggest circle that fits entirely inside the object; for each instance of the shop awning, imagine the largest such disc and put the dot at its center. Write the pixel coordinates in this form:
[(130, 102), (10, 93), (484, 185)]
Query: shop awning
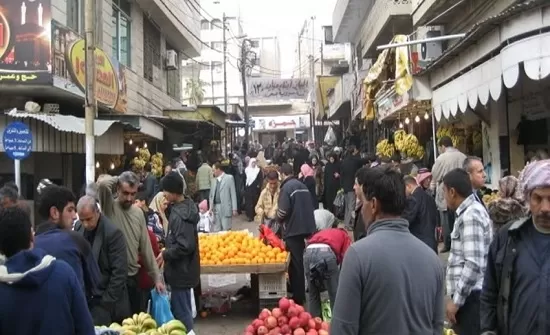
[(205, 113), (486, 80), (378, 74), (65, 123), (144, 126), (324, 84)]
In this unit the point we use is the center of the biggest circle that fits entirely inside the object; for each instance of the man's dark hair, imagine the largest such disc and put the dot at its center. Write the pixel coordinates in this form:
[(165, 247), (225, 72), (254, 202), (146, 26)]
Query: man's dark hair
[(54, 196), (287, 169), (10, 193), (13, 185), (386, 185), (217, 166), (15, 231), (142, 196), (147, 167), (128, 177), (467, 165), (409, 180), (172, 183), (272, 175), (446, 142), (460, 181)]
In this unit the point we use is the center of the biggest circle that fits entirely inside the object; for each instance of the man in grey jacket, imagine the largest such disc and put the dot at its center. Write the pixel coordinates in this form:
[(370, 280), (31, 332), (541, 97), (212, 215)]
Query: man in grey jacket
[(390, 281)]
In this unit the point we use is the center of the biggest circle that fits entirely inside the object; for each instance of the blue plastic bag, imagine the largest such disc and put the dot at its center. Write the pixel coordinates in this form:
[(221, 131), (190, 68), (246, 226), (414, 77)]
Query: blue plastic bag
[(160, 307)]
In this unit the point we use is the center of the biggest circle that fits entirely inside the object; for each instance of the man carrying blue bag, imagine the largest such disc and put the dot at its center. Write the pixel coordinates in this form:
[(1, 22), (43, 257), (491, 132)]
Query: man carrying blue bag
[(181, 255)]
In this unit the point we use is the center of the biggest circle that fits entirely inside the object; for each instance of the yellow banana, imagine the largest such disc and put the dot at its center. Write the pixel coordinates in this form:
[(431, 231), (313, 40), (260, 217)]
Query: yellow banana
[(128, 322), (149, 324), (177, 332), (174, 325)]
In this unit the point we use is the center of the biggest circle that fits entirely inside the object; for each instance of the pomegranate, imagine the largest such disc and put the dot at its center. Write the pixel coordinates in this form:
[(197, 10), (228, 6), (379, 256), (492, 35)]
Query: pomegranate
[(262, 330), (271, 322), (299, 331), (304, 319), (250, 329), (318, 322), (325, 326), (300, 309), (275, 331), (284, 304), (312, 332), (257, 323), (292, 312), (294, 322), (263, 315), (323, 332), (282, 320), (311, 324), (248, 333), (292, 303), (285, 329), (276, 312)]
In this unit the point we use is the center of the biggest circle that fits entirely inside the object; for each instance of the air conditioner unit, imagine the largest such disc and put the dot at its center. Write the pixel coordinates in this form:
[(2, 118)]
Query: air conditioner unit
[(171, 60), (430, 50)]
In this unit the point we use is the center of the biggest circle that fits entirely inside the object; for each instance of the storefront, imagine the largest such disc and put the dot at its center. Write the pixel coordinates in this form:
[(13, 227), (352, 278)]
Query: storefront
[(481, 77), (277, 128)]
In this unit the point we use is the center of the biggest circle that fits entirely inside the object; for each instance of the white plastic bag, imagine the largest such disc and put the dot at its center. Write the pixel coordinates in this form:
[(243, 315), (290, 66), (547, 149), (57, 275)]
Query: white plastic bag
[(193, 305), (330, 137)]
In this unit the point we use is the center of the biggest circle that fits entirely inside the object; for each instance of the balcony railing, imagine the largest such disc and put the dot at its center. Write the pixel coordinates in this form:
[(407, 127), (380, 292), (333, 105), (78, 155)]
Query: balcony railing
[(380, 14)]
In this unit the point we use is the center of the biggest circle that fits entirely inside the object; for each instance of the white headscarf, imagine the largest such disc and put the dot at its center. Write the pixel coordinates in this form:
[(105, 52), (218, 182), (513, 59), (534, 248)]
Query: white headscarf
[(251, 171)]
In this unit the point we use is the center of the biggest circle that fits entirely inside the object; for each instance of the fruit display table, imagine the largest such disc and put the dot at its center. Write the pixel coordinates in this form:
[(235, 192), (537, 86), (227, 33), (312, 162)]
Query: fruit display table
[(238, 252)]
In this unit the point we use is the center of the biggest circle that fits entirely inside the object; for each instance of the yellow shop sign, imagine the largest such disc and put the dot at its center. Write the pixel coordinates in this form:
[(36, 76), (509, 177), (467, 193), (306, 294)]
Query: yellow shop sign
[(107, 85)]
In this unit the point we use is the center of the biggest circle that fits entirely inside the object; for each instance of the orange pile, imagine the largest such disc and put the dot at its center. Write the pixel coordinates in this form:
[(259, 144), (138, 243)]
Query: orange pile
[(237, 247)]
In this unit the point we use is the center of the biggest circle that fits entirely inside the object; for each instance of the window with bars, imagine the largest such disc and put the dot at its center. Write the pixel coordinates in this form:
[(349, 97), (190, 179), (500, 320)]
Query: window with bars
[(151, 48), (121, 33), (173, 79)]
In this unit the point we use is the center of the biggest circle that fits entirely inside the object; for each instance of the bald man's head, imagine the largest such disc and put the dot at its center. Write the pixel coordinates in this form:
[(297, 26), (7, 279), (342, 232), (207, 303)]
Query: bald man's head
[(88, 212)]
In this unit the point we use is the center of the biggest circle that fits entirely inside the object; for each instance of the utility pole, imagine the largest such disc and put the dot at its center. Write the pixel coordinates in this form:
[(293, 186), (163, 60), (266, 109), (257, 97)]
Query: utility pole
[(224, 64), (322, 60), (212, 81), (90, 107), (312, 79), (248, 58)]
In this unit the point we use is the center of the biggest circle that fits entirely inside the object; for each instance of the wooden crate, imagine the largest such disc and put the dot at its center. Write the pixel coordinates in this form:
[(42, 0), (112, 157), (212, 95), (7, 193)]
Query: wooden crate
[(246, 268)]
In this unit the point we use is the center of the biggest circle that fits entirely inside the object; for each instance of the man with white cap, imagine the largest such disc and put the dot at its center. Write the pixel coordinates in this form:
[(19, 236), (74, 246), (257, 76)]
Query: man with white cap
[(515, 293)]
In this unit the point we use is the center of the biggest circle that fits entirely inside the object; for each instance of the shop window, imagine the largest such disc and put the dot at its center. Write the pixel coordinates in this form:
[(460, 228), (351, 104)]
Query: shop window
[(121, 33), (151, 48), (173, 80)]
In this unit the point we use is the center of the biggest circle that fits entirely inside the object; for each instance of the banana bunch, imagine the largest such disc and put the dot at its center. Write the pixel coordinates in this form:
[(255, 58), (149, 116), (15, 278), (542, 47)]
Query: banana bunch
[(411, 147), (456, 137), (144, 154), (157, 164), (448, 331), (141, 323), (399, 139), (477, 140), (174, 327), (488, 198), (385, 149), (138, 163)]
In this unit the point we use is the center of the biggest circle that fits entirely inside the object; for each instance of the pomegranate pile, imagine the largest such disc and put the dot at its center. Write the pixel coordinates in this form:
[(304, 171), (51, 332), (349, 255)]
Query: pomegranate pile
[(288, 319)]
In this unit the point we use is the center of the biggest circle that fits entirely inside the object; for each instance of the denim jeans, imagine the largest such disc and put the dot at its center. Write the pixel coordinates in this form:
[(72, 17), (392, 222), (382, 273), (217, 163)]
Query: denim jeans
[(180, 302), (315, 254)]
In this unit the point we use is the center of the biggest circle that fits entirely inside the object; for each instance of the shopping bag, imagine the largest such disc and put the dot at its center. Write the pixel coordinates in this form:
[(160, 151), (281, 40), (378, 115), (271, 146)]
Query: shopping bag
[(339, 209), (326, 312), (160, 309), (193, 305)]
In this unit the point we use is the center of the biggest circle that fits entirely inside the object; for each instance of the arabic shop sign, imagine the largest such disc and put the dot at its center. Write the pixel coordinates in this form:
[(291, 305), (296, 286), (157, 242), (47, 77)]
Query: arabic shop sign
[(281, 122), (278, 89), (17, 140), (106, 77), (25, 55), (390, 103)]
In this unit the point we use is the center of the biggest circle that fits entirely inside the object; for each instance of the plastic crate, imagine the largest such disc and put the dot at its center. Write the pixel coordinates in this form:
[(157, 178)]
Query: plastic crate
[(272, 285), (268, 303)]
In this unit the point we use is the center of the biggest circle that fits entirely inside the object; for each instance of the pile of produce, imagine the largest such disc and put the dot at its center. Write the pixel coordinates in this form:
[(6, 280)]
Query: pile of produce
[(237, 248), (143, 323), (408, 145), (447, 331), (288, 319), (477, 140), (385, 149), (456, 136), (488, 198), (143, 157)]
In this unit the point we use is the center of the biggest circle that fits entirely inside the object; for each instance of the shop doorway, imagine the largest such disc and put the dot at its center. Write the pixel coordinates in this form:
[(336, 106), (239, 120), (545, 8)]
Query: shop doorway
[(266, 138)]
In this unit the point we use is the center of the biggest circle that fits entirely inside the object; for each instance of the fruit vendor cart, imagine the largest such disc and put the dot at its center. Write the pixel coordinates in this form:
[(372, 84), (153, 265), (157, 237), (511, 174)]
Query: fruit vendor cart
[(268, 280)]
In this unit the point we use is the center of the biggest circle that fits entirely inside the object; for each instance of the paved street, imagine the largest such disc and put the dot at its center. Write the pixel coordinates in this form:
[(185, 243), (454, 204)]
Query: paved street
[(242, 313)]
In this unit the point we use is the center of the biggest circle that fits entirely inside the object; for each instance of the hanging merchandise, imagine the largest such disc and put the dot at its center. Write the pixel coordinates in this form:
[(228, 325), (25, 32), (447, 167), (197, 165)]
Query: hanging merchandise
[(456, 135), (385, 149), (408, 145), (330, 137)]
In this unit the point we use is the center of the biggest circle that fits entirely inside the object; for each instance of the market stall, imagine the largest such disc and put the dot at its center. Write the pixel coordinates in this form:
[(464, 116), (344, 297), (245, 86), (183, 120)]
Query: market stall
[(239, 252)]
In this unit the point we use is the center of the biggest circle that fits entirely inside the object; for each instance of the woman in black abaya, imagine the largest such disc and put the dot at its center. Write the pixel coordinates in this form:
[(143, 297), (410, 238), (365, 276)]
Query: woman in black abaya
[(331, 181)]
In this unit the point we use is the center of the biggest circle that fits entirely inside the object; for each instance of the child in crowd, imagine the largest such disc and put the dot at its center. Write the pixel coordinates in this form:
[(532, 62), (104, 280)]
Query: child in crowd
[(205, 217)]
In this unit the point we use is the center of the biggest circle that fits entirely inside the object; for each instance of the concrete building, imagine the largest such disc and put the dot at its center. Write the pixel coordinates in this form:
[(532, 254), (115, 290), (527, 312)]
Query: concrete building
[(268, 57), (140, 44)]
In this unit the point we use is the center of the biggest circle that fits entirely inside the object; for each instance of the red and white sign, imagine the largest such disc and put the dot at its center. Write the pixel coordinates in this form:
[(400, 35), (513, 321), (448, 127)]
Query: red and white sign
[(281, 122)]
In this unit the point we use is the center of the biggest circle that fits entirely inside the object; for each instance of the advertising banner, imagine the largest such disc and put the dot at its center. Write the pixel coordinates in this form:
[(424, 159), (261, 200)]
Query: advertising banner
[(281, 122), (70, 70), (277, 89), (25, 56)]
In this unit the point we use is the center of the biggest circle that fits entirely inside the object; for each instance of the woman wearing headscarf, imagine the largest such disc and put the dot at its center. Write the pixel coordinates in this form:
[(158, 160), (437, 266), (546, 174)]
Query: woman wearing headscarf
[(307, 176), (331, 181), (159, 205), (509, 207), (253, 187), (317, 167)]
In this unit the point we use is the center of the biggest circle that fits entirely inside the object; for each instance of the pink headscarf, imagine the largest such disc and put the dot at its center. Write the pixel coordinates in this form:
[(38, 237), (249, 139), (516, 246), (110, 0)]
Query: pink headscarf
[(203, 205), (307, 171)]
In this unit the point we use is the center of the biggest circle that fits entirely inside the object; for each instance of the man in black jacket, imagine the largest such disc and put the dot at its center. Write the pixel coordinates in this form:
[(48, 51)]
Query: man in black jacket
[(348, 168), (421, 212), (514, 298), (109, 250), (181, 256), (295, 210)]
